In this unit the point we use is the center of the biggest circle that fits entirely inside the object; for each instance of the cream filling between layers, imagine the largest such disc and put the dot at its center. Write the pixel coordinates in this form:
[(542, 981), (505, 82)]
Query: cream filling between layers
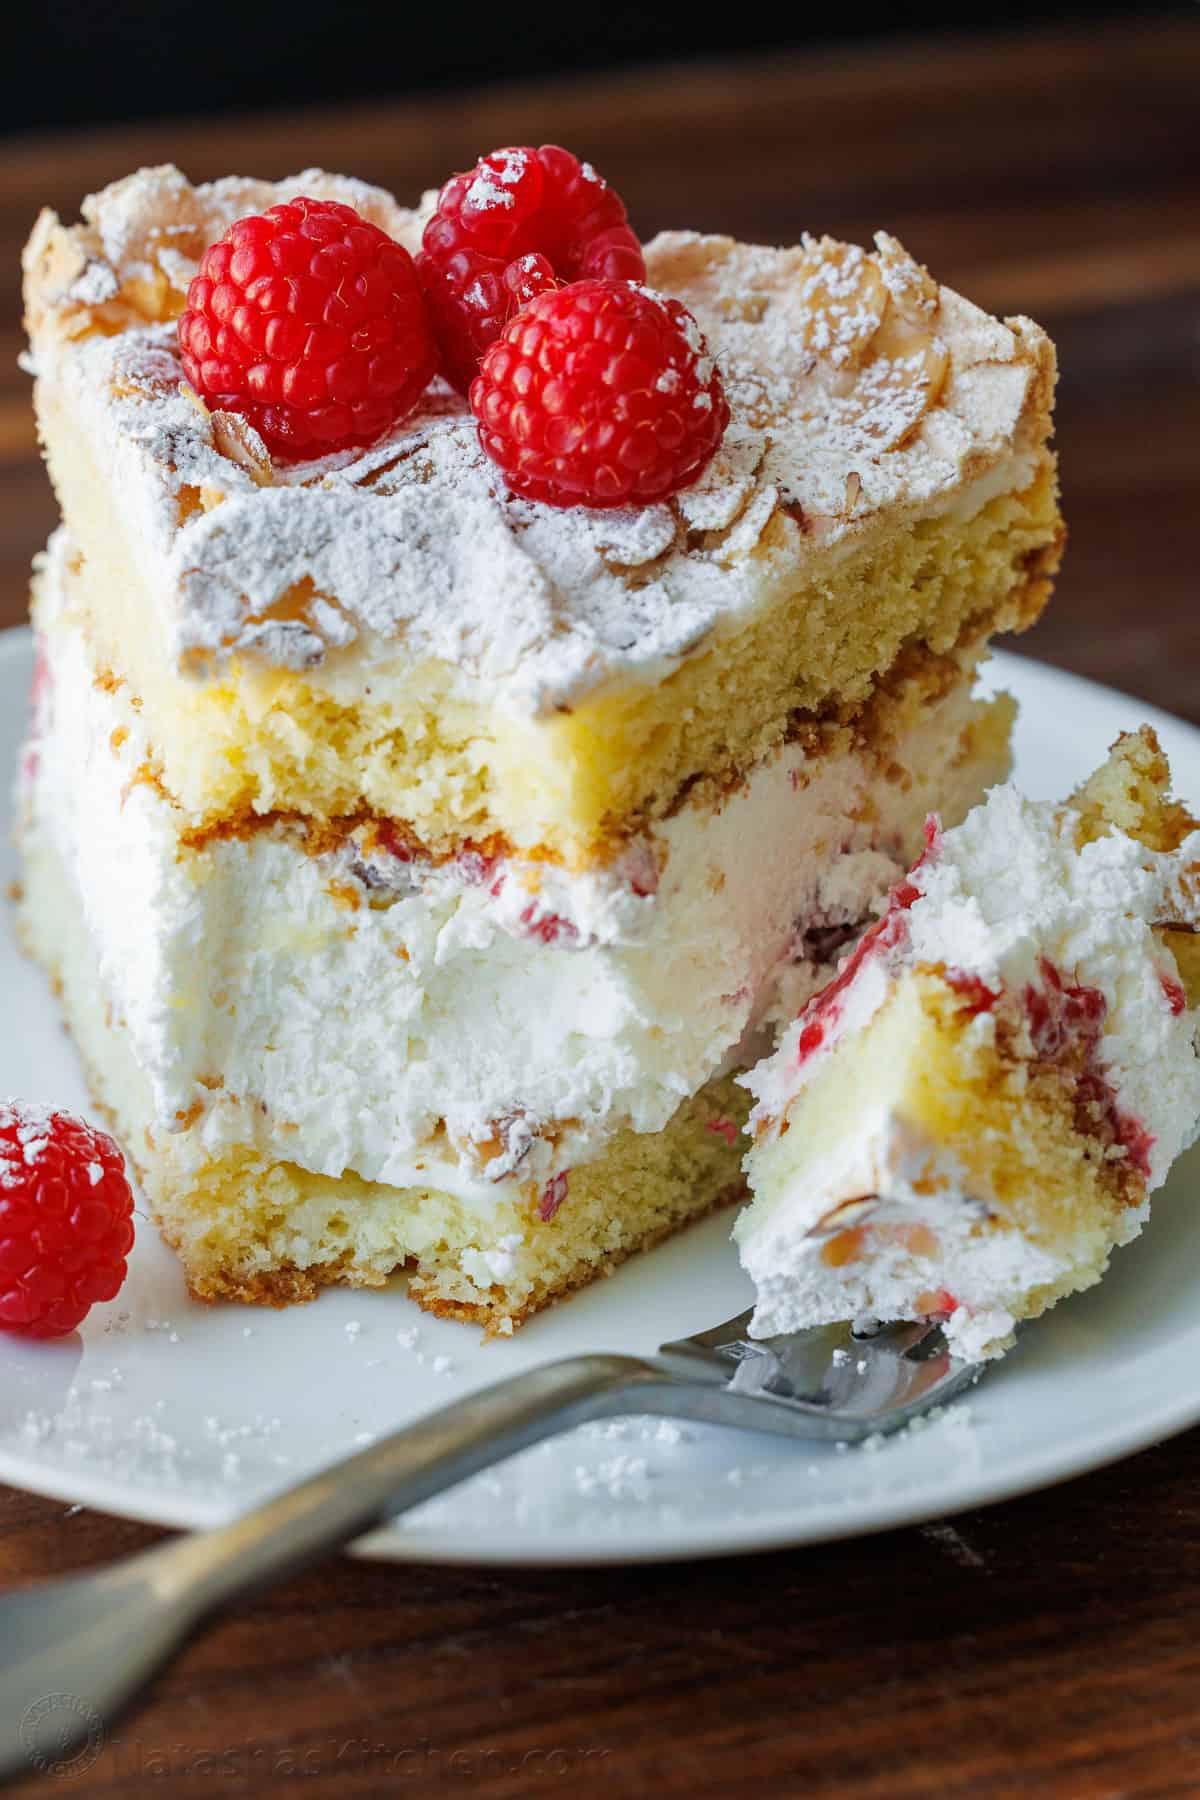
[(427, 1026)]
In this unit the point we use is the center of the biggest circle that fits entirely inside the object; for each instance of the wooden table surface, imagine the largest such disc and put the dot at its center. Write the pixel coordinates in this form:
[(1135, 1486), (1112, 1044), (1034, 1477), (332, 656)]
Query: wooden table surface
[(1048, 1646)]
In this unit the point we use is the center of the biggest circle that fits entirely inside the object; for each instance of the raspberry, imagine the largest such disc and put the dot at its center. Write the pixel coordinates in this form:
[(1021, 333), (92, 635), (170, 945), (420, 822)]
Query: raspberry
[(599, 394), (66, 1220), (541, 210), (310, 322)]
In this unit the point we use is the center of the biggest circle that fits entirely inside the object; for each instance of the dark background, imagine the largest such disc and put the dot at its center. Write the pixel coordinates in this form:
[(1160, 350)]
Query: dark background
[(89, 61)]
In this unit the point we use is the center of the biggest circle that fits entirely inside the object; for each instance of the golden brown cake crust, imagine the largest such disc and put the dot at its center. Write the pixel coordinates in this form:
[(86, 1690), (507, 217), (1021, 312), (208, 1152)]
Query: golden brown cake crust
[(290, 1286), (917, 679), (281, 1287), (1131, 793), (485, 1316)]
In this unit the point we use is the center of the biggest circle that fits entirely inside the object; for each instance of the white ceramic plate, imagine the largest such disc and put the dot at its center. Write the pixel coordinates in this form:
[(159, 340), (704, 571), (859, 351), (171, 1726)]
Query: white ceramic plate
[(166, 1410)]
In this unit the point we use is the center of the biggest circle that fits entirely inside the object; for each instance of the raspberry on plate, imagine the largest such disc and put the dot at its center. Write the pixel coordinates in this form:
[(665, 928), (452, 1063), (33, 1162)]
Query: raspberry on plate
[(66, 1220), (543, 210), (309, 321), (600, 394)]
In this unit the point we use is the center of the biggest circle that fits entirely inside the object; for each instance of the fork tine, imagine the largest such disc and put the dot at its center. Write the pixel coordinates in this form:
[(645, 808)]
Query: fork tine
[(826, 1381)]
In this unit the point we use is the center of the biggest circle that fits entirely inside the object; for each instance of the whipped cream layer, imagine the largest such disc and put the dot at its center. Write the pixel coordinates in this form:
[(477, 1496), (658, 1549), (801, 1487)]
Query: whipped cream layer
[(860, 392), (457, 1023), (997, 899)]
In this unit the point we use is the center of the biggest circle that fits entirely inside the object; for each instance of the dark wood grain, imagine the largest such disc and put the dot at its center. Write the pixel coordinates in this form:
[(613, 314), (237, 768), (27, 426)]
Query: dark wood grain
[(1047, 1647)]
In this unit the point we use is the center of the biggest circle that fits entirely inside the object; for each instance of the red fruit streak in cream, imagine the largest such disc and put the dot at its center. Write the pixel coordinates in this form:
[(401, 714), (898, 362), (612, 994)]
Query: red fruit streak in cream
[(547, 928), (553, 1195), (979, 997), (824, 1009), (1175, 993), (1064, 1016)]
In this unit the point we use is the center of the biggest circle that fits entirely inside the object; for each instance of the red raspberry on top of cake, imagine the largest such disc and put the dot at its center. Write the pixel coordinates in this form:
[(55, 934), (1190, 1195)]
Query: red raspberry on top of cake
[(516, 204), (600, 394), (308, 320)]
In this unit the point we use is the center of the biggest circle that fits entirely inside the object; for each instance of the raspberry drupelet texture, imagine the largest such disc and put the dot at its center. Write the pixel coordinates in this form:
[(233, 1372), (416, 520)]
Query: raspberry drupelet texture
[(514, 225), (600, 394), (309, 321), (66, 1220)]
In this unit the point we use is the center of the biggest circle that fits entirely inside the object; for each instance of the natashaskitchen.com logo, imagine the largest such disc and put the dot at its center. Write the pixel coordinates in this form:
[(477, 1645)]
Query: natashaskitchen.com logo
[(64, 1735)]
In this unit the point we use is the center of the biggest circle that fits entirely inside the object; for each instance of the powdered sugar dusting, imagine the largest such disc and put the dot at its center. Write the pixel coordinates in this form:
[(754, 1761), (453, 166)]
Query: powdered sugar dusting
[(32, 1137), (835, 360), (94, 286), (495, 180)]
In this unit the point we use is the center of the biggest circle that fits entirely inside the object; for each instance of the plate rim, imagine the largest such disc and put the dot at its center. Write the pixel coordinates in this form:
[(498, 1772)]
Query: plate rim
[(870, 1518), (871, 1515)]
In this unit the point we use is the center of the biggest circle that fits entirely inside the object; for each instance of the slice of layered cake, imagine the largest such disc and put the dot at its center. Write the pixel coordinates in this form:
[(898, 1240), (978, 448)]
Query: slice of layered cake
[(419, 862), (973, 1114)]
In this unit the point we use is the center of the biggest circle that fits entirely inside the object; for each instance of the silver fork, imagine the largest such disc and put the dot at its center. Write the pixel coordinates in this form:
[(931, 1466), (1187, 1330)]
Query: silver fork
[(74, 1653)]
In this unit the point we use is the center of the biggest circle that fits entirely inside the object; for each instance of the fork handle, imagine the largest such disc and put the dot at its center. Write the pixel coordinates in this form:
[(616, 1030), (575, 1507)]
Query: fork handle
[(202, 1571)]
